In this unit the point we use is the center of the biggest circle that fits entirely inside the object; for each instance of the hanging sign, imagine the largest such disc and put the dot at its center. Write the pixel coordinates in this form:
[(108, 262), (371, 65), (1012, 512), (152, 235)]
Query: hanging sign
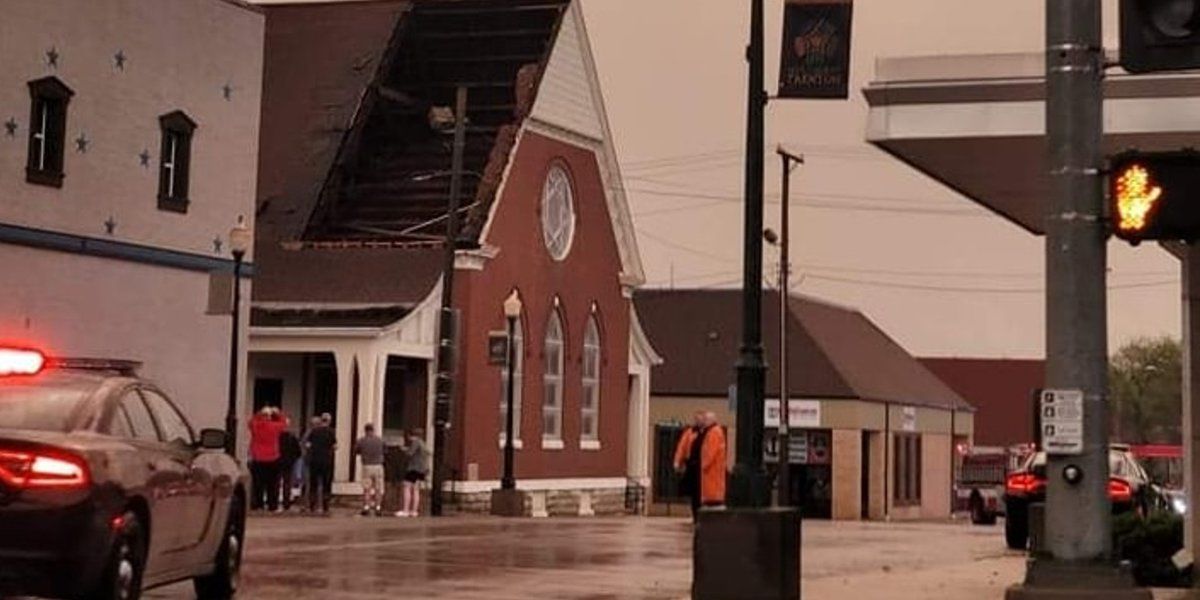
[(816, 49), (908, 421)]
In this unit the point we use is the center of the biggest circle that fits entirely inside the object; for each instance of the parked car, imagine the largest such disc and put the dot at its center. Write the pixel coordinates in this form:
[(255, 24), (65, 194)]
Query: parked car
[(106, 490), (1129, 488), (981, 478)]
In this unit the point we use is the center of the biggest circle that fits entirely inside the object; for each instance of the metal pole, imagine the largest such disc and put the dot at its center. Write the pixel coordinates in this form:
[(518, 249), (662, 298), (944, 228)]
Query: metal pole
[(508, 482), (231, 420), (445, 360), (887, 457), (785, 268), (749, 487), (1077, 518), (953, 456)]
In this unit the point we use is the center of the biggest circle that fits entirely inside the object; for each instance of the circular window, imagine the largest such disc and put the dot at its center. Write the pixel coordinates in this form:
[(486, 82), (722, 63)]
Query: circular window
[(558, 212)]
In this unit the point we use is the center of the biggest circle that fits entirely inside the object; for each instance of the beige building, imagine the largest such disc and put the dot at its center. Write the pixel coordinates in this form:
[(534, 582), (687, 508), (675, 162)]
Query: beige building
[(871, 427), (128, 145)]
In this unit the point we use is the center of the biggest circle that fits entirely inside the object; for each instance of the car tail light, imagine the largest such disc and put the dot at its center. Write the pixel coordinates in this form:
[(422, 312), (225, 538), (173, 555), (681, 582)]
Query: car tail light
[(23, 469), (1020, 484), (1119, 490)]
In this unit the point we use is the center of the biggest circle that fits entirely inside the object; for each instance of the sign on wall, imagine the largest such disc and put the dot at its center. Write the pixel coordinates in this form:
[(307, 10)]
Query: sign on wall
[(908, 419), (816, 49), (1061, 414), (497, 348), (802, 413)]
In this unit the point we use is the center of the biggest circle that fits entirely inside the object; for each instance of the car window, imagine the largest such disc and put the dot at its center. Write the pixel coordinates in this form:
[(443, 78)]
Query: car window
[(119, 425), (175, 428), (138, 415)]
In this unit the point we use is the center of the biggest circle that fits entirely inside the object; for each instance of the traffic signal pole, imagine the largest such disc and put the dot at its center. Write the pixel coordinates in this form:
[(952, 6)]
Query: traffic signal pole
[(1075, 559)]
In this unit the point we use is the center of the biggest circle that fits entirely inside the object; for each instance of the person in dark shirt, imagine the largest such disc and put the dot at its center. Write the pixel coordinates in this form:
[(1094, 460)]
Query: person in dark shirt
[(289, 455), (320, 446)]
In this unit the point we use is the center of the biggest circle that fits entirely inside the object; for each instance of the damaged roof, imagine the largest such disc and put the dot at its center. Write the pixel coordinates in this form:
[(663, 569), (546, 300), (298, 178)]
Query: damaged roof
[(350, 164), (835, 352)]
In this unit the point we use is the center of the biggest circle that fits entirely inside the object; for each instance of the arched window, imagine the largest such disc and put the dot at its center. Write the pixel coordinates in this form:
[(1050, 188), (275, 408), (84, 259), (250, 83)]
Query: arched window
[(552, 375), (590, 404), (518, 371)]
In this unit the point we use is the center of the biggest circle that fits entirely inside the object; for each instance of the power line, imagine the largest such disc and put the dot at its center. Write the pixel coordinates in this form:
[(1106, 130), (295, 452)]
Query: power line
[(822, 205), (972, 290)]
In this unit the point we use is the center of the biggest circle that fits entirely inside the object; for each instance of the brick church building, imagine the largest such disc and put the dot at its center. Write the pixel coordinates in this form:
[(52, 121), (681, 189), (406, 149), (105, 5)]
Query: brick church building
[(352, 200)]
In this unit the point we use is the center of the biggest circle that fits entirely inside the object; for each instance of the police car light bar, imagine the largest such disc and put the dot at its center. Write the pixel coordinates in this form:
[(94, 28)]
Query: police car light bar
[(20, 361)]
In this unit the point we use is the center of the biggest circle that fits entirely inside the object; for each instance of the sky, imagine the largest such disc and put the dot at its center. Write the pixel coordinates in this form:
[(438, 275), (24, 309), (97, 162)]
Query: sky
[(950, 279), (940, 274)]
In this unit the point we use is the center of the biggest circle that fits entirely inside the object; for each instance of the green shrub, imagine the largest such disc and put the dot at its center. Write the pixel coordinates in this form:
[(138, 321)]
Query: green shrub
[(1149, 544)]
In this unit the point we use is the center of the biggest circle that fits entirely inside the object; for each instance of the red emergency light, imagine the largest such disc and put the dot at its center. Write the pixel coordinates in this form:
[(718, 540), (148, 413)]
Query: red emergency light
[(21, 361)]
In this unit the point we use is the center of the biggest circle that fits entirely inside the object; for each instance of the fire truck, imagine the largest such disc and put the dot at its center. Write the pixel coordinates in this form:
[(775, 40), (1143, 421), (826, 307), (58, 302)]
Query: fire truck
[(979, 487)]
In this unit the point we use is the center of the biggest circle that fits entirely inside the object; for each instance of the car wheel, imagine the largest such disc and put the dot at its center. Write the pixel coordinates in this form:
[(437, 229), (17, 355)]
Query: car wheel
[(980, 514), (123, 576), (1016, 528), (222, 583)]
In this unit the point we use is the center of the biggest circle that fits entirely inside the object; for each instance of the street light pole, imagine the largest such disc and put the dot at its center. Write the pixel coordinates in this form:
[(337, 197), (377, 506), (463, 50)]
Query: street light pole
[(512, 310), (445, 360), (239, 243), (783, 497), (749, 482)]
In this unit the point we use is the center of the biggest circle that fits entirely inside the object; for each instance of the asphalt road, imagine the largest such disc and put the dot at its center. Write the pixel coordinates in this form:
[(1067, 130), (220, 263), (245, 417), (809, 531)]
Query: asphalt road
[(350, 558)]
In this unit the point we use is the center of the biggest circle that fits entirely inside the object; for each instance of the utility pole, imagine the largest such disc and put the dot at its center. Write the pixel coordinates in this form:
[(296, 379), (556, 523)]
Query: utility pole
[(1076, 560), (784, 495), (446, 334), (749, 481)]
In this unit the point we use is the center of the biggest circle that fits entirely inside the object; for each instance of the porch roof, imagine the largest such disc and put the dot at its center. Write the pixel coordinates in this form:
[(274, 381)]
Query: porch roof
[(976, 123), (327, 317)]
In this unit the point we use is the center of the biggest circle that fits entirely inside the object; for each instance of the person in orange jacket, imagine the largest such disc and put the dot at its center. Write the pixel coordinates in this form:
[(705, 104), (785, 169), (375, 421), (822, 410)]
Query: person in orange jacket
[(700, 458)]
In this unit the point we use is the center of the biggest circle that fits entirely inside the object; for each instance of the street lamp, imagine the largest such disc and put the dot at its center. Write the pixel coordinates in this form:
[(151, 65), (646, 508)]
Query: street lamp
[(512, 311), (239, 243)]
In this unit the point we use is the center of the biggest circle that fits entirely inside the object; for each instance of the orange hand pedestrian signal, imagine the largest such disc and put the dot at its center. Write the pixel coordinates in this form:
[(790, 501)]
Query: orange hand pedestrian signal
[(1155, 196), (1136, 196)]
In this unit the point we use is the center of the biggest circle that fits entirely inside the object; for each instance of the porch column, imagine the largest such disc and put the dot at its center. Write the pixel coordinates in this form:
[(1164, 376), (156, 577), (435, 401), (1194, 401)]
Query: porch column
[(1191, 392), (637, 462), (381, 364), (370, 391), (345, 406)]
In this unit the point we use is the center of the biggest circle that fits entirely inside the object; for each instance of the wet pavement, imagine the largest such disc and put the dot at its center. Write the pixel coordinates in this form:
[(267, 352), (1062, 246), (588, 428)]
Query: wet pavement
[(347, 557)]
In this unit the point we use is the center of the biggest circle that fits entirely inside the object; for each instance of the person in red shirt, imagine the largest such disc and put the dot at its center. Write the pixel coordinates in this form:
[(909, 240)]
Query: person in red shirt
[(265, 429)]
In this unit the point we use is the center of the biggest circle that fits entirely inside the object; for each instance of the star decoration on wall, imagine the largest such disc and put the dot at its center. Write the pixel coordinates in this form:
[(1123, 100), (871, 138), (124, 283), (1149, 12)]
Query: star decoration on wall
[(110, 226), (119, 59), (52, 57), (227, 92), (144, 158), (217, 243), (81, 143), (10, 127)]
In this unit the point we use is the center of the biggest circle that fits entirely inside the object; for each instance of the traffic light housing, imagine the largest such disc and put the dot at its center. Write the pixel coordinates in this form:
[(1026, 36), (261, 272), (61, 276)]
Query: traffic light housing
[(1160, 35), (1155, 196)]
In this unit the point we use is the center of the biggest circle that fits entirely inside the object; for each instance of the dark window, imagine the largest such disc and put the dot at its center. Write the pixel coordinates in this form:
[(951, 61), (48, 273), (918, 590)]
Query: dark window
[(906, 473), (174, 427), (47, 131), (139, 417), (268, 392), (175, 159)]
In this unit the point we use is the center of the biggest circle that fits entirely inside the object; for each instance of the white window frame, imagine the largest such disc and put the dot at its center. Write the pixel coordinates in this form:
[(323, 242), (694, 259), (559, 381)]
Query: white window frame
[(590, 380), (552, 379), (518, 384)]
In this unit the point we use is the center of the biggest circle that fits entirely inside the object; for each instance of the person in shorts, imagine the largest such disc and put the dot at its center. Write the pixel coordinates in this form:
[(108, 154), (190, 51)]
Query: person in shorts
[(370, 450), (416, 472)]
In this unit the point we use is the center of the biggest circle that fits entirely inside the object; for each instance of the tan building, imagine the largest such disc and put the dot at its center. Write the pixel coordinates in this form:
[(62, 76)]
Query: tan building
[(128, 150), (871, 426)]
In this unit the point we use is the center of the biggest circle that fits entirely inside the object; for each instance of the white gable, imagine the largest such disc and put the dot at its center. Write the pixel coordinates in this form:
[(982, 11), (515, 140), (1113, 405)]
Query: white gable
[(565, 98)]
